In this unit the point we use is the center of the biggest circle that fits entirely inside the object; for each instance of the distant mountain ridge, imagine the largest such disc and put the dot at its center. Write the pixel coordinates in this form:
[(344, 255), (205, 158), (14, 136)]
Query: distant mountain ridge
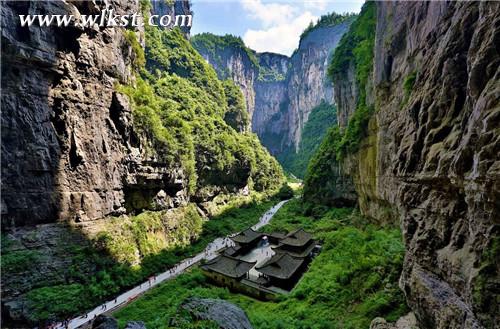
[(280, 91)]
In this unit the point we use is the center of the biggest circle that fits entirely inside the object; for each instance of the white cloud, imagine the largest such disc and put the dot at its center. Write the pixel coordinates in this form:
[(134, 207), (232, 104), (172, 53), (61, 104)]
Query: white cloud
[(316, 4), (269, 13), (282, 37)]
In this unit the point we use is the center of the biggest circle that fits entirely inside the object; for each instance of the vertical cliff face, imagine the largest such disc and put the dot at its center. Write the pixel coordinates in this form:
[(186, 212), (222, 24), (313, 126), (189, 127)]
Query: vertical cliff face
[(431, 157), (271, 90), (57, 97), (70, 143), (280, 91), (172, 7), (231, 60), (306, 86), (69, 150)]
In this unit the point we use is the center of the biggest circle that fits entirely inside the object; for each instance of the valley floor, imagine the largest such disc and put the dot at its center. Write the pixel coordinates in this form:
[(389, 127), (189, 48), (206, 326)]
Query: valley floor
[(352, 281), (211, 251)]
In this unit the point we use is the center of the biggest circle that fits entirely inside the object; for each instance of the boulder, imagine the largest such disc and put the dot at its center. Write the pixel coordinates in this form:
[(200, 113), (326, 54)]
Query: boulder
[(135, 325), (225, 314), (105, 322)]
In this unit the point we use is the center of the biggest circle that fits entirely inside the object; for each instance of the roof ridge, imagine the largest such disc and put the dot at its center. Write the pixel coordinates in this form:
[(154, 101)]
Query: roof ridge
[(235, 258), (295, 232)]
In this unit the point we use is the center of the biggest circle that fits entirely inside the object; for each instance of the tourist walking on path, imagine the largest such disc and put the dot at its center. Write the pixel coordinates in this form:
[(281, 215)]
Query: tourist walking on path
[(133, 293)]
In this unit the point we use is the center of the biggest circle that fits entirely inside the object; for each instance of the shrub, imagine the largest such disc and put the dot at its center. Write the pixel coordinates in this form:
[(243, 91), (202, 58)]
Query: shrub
[(139, 59), (285, 192), (409, 82), (356, 50)]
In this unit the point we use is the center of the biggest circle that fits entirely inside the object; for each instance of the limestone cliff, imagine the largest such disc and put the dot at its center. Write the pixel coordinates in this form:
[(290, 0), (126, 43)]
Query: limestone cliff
[(280, 91), (66, 137), (231, 60), (70, 148), (431, 158), (101, 150), (307, 83)]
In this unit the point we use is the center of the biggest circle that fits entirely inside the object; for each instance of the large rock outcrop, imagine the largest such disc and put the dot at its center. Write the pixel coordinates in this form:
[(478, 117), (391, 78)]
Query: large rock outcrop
[(79, 152), (432, 156), (69, 149), (231, 60), (223, 314)]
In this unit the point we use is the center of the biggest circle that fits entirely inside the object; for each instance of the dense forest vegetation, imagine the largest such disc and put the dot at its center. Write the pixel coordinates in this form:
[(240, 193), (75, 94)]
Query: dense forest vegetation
[(100, 269), (327, 20), (322, 117), (355, 50), (181, 104), (188, 119)]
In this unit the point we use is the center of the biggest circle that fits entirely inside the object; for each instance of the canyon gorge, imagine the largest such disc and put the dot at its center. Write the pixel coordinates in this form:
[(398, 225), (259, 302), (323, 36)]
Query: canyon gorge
[(120, 146)]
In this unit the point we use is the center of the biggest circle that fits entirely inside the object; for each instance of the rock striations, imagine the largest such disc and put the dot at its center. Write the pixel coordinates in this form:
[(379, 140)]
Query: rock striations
[(432, 156), (66, 137), (280, 91)]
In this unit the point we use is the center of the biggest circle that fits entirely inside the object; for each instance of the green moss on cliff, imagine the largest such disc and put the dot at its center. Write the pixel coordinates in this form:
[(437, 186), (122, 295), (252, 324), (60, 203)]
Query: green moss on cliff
[(487, 280), (356, 50), (189, 117), (321, 118)]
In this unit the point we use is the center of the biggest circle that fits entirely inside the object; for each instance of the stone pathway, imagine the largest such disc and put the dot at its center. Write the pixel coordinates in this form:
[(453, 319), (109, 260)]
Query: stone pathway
[(210, 252)]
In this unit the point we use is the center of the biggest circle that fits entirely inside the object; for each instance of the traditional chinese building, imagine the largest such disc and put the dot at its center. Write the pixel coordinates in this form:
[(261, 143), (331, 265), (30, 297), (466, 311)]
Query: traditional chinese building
[(298, 244), (226, 270), (280, 261), (283, 270)]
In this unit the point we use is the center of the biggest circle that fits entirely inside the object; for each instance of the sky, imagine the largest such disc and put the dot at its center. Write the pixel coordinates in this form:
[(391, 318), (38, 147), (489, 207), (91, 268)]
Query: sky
[(264, 25)]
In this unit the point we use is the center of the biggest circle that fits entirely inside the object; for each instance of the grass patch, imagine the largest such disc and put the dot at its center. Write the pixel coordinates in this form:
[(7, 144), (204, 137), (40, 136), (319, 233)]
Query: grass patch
[(353, 280), (81, 291)]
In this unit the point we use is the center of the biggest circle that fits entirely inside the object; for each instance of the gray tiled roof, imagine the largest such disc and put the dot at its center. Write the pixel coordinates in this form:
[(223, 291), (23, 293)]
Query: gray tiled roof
[(247, 236), (231, 251), (229, 266), (281, 266), (303, 253), (297, 238)]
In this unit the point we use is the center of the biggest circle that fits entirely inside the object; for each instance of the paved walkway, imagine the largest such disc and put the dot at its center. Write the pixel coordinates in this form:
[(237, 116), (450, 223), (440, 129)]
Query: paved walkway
[(210, 252)]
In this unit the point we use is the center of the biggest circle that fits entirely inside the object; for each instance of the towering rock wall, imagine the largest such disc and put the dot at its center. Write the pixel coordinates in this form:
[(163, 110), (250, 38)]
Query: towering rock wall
[(307, 81), (304, 88), (70, 148), (64, 141), (280, 91), (270, 90), (432, 155), (231, 60)]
